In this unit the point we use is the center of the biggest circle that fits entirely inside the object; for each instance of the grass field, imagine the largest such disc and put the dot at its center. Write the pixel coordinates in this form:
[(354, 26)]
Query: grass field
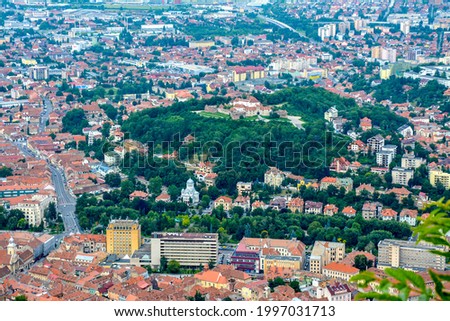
[(214, 115)]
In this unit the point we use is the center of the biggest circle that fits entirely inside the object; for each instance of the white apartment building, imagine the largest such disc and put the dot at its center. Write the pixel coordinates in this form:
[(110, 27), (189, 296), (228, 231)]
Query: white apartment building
[(386, 155), (411, 161)]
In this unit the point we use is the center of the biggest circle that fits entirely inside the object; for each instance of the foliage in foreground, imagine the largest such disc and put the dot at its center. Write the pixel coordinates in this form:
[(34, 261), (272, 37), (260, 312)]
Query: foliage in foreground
[(432, 230)]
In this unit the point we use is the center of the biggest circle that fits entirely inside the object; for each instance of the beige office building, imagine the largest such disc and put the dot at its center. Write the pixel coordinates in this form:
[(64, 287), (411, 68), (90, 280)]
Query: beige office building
[(123, 237), (324, 253), (409, 255), (189, 249)]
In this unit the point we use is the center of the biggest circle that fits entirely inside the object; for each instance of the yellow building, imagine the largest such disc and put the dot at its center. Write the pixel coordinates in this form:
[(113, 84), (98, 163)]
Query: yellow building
[(439, 176), (29, 62), (293, 263), (338, 270), (248, 73), (170, 94), (201, 44), (212, 279), (376, 52), (255, 291), (385, 72), (123, 237)]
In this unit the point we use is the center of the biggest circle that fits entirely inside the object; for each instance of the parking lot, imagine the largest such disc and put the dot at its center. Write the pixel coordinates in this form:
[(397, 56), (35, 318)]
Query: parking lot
[(225, 254)]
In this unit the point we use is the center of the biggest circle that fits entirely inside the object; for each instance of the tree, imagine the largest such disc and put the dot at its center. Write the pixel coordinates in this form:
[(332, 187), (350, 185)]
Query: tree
[(173, 266), (126, 188), (433, 230), (295, 285), (113, 179), (126, 37), (74, 121), (110, 111), (70, 98), (21, 297), (163, 264), (46, 26), (211, 264), (173, 191), (106, 130), (276, 282), (155, 185), (197, 297), (22, 224), (205, 201), (5, 171), (51, 212), (361, 262)]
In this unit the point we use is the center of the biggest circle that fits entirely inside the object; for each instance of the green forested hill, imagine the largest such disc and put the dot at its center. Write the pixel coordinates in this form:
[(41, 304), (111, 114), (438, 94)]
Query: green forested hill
[(245, 148), (248, 147)]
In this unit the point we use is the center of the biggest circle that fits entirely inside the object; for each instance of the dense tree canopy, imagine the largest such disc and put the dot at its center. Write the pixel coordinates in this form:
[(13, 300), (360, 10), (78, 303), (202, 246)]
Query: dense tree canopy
[(74, 121), (5, 171)]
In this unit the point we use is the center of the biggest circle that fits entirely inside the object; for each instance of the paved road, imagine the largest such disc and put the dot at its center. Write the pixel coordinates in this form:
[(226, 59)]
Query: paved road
[(224, 256), (48, 108), (66, 200)]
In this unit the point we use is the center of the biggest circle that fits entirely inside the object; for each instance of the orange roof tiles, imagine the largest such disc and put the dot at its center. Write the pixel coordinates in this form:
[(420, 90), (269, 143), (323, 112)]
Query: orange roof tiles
[(211, 276), (341, 267)]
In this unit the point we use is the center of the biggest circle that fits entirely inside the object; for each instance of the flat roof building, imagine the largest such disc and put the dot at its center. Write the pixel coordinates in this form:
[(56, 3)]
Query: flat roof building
[(123, 237), (258, 255), (409, 255), (189, 249)]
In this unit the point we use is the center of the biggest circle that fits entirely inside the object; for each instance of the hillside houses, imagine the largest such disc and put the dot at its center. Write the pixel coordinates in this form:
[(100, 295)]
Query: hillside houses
[(241, 108)]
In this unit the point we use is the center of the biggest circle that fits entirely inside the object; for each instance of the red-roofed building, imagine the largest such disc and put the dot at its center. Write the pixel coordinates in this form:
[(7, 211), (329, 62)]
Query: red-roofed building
[(339, 271), (330, 209), (212, 278), (163, 197), (409, 216), (224, 201), (388, 214), (339, 165), (296, 205), (349, 211), (365, 124), (139, 195)]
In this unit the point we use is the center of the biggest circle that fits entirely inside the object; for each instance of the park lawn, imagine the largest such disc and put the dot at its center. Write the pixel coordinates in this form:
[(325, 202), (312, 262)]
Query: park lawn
[(214, 115)]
